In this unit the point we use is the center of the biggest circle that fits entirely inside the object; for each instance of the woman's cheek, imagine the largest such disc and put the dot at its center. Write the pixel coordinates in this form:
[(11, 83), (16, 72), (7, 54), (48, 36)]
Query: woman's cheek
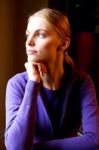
[(43, 46)]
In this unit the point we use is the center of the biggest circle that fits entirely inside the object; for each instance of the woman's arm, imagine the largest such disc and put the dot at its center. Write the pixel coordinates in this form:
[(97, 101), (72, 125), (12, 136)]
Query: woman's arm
[(20, 113), (20, 107), (90, 124)]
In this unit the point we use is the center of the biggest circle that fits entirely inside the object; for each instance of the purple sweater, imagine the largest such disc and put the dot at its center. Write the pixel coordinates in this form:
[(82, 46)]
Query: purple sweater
[(42, 119)]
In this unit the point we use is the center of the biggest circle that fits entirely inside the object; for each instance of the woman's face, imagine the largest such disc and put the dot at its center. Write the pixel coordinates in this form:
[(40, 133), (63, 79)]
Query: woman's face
[(42, 41)]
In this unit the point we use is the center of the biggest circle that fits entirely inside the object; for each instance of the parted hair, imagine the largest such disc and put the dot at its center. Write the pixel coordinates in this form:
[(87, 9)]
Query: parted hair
[(60, 24)]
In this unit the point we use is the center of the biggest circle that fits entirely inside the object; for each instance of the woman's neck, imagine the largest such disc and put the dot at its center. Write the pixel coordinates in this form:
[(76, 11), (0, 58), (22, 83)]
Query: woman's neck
[(53, 78)]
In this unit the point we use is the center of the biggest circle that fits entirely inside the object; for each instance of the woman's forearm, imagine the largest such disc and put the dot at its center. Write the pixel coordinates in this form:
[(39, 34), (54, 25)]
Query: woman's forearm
[(84, 142), (20, 126)]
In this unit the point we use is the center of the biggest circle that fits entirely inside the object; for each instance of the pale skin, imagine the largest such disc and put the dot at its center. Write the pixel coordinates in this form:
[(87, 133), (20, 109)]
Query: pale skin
[(45, 53)]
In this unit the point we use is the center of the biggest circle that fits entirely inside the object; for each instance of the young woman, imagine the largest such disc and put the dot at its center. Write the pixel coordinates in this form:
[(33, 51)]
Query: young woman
[(51, 103)]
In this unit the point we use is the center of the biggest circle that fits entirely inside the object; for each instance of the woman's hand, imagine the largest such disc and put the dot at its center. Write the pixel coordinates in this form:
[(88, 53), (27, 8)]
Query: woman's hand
[(35, 70)]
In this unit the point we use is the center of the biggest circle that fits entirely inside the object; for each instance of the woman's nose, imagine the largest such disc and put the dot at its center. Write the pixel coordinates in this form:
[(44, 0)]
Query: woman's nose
[(30, 41)]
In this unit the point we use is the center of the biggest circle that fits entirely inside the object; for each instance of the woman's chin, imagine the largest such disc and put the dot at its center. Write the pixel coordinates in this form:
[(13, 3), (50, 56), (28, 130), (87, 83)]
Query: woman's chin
[(33, 59)]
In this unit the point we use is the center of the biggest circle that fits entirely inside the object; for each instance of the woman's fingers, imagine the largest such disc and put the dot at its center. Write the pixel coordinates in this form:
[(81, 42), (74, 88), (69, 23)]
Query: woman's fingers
[(32, 71), (35, 70), (42, 69)]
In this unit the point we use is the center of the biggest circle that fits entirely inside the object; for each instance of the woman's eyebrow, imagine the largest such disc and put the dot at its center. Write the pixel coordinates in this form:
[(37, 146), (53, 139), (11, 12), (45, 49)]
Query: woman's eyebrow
[(27, 31)]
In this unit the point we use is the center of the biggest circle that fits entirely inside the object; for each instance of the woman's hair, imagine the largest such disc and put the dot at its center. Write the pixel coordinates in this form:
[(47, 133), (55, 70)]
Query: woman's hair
[(58, 20), (60, 24)]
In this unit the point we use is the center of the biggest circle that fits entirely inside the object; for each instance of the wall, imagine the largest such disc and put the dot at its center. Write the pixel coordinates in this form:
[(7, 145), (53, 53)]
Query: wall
[(6, 57), (23, 9), (13, 19)]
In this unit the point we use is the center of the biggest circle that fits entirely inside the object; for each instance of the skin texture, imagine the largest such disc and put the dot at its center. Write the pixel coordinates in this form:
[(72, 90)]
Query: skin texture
[(45, 52)]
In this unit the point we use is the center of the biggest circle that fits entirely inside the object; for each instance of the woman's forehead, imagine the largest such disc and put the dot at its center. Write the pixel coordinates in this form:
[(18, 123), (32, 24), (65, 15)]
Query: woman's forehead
[(38, 22)]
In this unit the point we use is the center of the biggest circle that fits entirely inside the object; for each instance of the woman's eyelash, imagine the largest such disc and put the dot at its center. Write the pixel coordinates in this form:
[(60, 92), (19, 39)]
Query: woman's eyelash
[(42, 35), (26, 35)]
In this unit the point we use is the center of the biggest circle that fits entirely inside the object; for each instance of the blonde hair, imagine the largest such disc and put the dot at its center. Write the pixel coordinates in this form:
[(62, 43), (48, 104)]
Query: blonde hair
[(58, 20), (60, 23)]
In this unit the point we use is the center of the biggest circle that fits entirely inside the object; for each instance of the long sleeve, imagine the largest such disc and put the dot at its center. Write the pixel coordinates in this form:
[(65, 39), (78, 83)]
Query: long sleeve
[(89, 140), (20, 113)]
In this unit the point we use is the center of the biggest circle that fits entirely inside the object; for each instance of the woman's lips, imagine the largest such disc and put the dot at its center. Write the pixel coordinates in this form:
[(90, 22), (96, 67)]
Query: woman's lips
[(31, 52)]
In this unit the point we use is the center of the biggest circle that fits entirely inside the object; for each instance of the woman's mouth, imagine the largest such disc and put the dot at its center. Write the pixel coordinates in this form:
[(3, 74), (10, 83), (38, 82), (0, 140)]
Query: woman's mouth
[(31, 52)]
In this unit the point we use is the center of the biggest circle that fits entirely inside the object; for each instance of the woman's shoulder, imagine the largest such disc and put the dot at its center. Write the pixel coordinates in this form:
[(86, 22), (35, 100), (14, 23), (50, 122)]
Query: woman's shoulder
[(72, 74), (81, 80), (84, 77), (80, 75), (84, 81), (19, 78)]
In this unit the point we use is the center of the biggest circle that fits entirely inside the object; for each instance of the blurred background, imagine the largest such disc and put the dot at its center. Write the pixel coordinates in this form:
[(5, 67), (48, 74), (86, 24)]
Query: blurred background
[(84, 19)]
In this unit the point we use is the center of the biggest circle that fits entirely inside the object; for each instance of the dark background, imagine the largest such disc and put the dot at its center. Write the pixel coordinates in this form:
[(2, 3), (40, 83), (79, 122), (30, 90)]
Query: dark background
[(84, 20)]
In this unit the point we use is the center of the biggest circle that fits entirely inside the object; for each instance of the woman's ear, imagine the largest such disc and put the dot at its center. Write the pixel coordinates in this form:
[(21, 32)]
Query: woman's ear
[(65, 43)]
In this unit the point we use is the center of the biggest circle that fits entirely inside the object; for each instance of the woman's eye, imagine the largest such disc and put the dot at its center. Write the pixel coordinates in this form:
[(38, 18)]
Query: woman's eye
[(26, 35), (42, 35)]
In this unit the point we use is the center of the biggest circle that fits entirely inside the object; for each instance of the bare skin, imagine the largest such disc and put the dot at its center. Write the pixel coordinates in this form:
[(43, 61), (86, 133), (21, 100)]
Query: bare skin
[(45, 52)]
